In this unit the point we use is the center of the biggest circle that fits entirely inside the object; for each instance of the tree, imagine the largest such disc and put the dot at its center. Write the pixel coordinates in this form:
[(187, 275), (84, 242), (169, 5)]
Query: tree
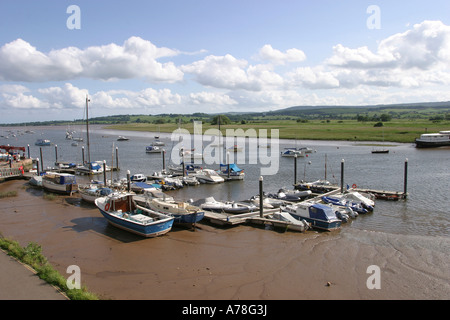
[(223, 120)]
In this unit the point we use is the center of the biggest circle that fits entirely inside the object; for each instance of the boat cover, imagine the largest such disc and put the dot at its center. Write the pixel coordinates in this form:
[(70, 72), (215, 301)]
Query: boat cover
[(321, 212), (233, 168)]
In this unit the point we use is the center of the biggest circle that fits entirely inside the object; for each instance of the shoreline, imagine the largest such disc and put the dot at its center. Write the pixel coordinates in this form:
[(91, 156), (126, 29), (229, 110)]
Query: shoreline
[(212, 263)]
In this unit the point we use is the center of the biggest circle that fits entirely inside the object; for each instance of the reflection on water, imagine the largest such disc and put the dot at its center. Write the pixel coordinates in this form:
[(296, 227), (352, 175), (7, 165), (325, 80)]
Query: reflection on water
[(424, 213)]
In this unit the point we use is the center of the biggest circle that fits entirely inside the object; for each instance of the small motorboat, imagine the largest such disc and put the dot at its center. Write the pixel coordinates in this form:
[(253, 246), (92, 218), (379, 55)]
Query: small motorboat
[(208, 176), (122, 138), (318, 215), (153, 149), (121, 211), (139, 177), (212, 204)]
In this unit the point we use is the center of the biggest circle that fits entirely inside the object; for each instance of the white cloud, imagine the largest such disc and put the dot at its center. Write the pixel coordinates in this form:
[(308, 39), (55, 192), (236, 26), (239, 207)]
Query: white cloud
[(211, 98), (136, 58), (277, 57), (423, 47), (227, 72)]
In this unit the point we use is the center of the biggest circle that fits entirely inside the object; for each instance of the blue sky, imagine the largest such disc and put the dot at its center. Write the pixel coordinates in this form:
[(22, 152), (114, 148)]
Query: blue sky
[(150, 57)]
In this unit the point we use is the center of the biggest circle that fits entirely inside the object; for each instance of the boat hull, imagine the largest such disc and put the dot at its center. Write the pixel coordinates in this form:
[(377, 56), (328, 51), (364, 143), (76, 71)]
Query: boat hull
[(148, 231), (431, 144)]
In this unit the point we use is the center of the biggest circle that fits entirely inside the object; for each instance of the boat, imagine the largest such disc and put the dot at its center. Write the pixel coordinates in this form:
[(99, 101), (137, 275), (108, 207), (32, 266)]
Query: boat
[(122, 138), (292, 152), (121, 211), (190, 154), (153, 149), (320, 216), (268, 203), (139, 177), (285, 220), (90, 192), (42, 142), (59, 182), (189, 169), (365, 201), (183, 212), (433, 140), (208, 176), (158, 143), (233, 173), (355, 206), (89, 168), (318, 186), (293, 196), (380, 151), (213, 205)]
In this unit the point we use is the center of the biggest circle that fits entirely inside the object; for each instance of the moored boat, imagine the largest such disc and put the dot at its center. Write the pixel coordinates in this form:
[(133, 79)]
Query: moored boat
[(292, 152), (318, 215), (59, 182), (208, 176), (183, 212), (90, 192), (153, 149), (42, 142), (231, 172), (121, 211), (433, 140)]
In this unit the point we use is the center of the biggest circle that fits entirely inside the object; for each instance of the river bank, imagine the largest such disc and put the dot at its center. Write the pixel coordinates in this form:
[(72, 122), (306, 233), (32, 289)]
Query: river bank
[(214, 263)]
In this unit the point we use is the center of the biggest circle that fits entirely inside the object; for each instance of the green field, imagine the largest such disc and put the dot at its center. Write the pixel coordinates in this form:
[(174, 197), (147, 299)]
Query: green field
[(404, 131)]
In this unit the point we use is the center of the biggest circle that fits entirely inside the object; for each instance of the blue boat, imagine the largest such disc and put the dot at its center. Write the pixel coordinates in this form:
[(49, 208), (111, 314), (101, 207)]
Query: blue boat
[(121, 211), (318, 215)]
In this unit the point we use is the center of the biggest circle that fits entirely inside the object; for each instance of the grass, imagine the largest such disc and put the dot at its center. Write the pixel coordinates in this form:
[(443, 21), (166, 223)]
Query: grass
[(8, 194), (398, 130), (32, 256)]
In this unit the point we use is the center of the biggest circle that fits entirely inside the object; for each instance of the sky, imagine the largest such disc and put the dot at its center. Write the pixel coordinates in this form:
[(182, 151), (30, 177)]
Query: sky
[(186, 56)]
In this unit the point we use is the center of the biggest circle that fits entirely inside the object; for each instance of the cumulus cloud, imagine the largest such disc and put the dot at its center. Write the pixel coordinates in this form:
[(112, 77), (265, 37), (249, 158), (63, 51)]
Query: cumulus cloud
[(422, 47), (277, 57), (136, 58), (227, 72)]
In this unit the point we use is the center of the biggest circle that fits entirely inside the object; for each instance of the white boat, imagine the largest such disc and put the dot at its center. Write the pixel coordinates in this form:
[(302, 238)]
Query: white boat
[(122, 138), (59, 182), (90, 168), (42, 142), (183, 212), (139, 177), (433, 140), (292, 152), (121, 211), (153, 149), (268, 203), (158, 143), (286, 221), (208, 176), (212, 204), (90, 192), (190, 154)]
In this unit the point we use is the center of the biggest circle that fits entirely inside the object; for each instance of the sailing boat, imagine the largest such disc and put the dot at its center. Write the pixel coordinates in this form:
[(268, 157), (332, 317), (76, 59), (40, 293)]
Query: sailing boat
[(382, 150), (89, 167)]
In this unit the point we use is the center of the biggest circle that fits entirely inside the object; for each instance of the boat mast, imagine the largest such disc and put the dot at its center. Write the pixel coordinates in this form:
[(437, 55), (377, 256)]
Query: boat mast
[(87, 129)]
